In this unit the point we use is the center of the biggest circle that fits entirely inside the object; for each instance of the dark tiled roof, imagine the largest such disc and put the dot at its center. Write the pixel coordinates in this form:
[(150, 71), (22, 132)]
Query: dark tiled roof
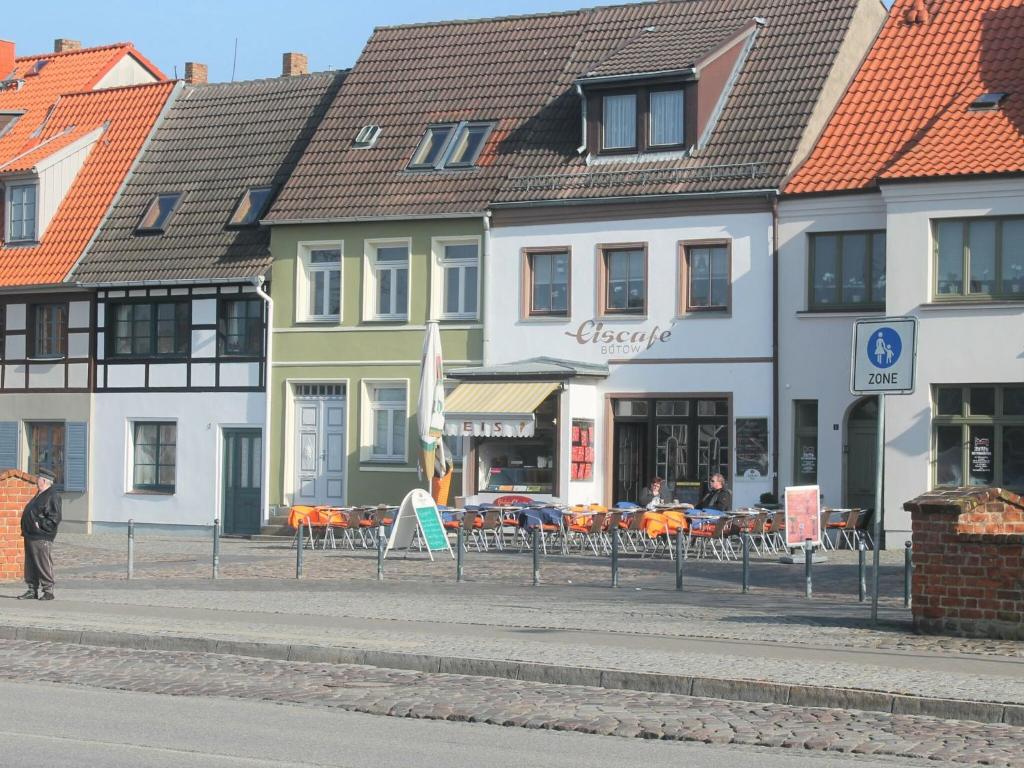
[(215, 142), (520, 72)]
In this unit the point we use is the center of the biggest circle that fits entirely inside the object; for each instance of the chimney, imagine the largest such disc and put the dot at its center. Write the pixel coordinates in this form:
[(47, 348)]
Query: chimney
[(65, 44), (195, 72), (917, 13), (6, 58), (294, 64)]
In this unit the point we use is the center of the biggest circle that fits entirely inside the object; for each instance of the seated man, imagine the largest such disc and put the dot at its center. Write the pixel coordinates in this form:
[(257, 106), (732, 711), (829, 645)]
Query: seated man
[(651, 495), (718, 496)]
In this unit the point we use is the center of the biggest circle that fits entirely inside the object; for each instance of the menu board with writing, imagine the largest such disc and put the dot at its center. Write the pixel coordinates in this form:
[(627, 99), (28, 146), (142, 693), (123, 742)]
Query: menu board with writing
[(751, 448), (582, 449), (981, 457), (803, 515)]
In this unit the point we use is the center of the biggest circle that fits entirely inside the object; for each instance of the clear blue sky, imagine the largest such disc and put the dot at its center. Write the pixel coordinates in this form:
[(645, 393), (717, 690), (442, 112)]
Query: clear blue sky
[(171, 33)]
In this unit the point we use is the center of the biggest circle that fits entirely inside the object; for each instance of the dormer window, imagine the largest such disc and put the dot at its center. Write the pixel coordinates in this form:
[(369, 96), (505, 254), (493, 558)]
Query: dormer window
[(639, 120), (155, 219), (21, 213), (450, 145), (7, 121), (251, 207)]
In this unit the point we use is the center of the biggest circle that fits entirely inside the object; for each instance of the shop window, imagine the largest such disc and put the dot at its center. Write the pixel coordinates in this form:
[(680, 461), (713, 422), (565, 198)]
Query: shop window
[(623, 280), (154, 456), (524, 465), (978, 436), (149, 329), (805, 431), (547, 283), (847, 271), (49, 324), (318, 286), (979, 258)]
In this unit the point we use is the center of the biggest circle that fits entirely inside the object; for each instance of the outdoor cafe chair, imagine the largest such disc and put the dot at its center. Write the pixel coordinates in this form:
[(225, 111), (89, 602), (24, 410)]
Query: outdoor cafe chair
[(490, 526), (298, 516), (550, 523), (712, 535), (824, 518), (845, 528), (777, 532), (759, 533), (863, 529), (343, 521)]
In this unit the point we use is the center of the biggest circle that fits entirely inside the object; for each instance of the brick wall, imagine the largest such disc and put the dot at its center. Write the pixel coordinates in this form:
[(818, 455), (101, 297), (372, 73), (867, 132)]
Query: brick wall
[(968, 562), (16, 488)]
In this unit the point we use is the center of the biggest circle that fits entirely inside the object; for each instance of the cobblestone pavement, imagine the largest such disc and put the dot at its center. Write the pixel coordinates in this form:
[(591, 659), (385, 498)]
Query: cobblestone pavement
[(514, 703)]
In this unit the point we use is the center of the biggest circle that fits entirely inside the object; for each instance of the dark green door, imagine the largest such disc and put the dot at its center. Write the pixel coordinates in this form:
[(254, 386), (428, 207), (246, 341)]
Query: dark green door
[(243, 470)]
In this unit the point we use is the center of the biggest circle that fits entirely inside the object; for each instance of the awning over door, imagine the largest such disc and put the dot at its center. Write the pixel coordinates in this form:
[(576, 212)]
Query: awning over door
[(495, 408)]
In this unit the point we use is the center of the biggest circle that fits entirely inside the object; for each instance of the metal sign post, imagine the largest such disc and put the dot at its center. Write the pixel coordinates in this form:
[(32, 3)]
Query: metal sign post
[(884, 361)]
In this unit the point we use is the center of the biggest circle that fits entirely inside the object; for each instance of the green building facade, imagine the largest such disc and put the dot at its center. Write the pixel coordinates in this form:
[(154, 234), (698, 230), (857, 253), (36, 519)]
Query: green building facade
[(351, 301)]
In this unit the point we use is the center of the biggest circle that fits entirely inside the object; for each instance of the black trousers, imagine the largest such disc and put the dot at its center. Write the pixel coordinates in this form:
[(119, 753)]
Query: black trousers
[(39, 564)]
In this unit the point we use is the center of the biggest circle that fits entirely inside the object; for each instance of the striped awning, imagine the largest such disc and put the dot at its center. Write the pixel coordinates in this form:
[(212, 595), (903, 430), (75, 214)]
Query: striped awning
[(495, 408)]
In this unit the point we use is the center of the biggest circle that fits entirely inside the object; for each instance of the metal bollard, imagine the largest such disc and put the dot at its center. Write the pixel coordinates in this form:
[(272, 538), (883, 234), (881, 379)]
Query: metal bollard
[(536, 555), (216, 547), (300, 548), (459, 538), (615, 557), (808, 559), (862, 575), (908, 571), (131, 549), (679, 559), (745, 541), (381, 543)]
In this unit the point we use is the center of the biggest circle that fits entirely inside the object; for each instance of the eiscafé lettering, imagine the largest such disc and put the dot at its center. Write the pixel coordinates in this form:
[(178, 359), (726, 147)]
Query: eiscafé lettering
[(490, 427), (618, 342)]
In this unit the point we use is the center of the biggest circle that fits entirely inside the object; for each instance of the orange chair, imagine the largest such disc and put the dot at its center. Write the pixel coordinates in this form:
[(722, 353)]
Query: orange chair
[(297, 516)]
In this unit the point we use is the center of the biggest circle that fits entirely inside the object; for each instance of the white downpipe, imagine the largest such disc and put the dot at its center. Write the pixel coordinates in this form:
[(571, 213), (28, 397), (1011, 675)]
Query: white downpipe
[(267, 389)]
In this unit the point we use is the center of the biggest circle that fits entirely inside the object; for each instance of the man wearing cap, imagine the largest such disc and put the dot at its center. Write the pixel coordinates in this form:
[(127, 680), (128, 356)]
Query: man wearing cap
[(39, 523)]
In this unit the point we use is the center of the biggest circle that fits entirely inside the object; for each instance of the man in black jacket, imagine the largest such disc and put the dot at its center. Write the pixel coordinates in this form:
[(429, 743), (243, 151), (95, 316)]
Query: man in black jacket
[(39, 523), (718, 496)]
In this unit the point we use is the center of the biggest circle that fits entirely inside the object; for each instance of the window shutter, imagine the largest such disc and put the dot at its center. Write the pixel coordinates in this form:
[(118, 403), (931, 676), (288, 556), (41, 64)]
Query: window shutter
[(76, 453), (8, 445)]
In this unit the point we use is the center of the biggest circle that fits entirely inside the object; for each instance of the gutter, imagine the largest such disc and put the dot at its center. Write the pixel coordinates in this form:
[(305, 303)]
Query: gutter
[(775, 345), (691, 71), (636, 198), (357, 219), (267, 389), (166, 283)]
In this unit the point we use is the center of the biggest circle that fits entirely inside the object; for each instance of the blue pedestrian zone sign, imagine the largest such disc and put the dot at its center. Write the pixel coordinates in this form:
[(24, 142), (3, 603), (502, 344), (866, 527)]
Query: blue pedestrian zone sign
[(884, 356)]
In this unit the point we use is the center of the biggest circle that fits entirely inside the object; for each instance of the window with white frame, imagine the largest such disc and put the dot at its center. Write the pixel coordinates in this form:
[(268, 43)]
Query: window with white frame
[(386, 413), (21, 219), (154, 456), (460, 271), (389, 280), (319, 282)]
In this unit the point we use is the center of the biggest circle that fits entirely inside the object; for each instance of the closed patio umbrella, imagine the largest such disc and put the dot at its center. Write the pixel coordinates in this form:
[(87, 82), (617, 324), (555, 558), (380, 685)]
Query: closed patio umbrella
[(430, 414)]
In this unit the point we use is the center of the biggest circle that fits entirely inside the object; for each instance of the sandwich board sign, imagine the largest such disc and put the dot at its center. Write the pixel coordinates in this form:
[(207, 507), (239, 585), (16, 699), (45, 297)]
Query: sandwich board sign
[(803, 515), (884, 356), (418, 514)]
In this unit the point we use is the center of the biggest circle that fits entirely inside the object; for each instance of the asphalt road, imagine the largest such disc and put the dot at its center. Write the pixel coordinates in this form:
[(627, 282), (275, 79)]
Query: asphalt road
[(60, 726)]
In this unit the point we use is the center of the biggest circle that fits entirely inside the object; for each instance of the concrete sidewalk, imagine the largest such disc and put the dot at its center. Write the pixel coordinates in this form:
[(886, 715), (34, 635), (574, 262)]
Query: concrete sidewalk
[(769, 646)]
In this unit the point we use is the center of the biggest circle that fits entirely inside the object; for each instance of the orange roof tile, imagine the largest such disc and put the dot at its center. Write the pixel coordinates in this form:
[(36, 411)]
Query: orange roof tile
[(68, 72), (129, 114), (905, 115)]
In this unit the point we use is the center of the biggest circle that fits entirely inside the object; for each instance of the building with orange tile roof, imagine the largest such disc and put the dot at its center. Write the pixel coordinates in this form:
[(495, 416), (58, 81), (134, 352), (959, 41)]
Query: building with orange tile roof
[(72, 123), (912, 204)]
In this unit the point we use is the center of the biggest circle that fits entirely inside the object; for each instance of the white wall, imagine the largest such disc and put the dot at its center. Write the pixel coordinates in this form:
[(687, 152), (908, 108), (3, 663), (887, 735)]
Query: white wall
[(199, 416), (702, 353), (958, 345), (814, 347), (127, 71)]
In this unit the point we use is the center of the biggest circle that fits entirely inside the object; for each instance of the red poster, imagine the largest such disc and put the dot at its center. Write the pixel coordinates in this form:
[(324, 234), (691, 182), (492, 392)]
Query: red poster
[(803, 515), (582, 452)]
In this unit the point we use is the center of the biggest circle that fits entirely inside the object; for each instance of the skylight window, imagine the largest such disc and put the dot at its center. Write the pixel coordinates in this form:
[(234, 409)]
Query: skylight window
[(159, 212), (367, 136), (987, 102), (251, 207), (451, 145), (37, 67), (8, 119)]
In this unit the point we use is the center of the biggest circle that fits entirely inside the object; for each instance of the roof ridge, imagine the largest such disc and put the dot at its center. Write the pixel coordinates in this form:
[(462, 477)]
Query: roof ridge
[(283, 78), (93, 49), (114, 89)]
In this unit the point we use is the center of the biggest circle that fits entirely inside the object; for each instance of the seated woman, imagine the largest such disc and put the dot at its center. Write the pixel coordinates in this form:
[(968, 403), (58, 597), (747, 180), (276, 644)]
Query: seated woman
[(651, 495)]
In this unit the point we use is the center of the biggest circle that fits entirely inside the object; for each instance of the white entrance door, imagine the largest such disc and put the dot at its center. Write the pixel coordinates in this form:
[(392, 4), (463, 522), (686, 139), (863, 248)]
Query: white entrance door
[(320, 444)]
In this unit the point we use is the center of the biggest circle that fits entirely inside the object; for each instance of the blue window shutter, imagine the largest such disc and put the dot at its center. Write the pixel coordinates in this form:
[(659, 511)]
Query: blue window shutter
[(76, 453), (8, 445)]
